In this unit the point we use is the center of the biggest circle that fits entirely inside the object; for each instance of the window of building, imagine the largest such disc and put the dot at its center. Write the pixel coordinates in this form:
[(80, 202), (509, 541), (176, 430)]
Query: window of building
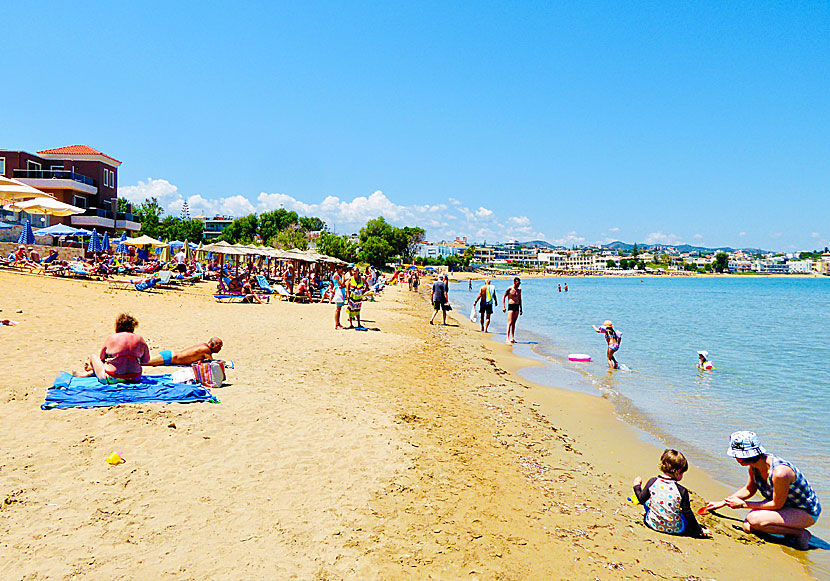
[(32, 165), (106, 177), (2, 165), (112, 179), (79, 201), (56, 168)]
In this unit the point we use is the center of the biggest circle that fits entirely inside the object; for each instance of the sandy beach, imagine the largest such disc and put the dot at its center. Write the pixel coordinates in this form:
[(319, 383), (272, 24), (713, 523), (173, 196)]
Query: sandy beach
[(406, 452)]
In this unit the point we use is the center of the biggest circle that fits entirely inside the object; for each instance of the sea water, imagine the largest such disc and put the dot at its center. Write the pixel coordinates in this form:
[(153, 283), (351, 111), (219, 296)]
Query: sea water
[(769, 340)]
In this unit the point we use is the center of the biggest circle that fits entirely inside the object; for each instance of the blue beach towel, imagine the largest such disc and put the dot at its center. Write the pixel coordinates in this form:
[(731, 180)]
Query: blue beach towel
[(87, 392)]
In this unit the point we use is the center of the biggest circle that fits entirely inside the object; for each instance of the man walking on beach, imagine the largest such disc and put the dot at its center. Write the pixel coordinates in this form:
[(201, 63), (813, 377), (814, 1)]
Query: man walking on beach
[(512, 302), (487, 296), (440, 298)]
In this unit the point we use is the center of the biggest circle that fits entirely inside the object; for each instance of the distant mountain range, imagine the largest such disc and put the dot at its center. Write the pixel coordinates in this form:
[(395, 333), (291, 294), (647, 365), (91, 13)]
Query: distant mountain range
[(618, 245)]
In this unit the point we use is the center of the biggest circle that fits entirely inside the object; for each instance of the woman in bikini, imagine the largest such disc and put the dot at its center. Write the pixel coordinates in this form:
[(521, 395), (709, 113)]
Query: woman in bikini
[(122, 354)]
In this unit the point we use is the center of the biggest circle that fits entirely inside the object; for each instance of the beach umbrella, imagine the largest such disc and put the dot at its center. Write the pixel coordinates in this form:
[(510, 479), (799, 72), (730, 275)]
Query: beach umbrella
[(26, 235), (94, 242), (165, 252), (105, 243), (122, 247), (144, 240), (58, 230), (43, 205), (11, 189), (187, 252)]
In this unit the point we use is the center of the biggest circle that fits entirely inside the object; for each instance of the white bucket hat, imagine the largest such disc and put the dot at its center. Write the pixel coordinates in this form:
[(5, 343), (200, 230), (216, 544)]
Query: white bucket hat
[(745, 445)]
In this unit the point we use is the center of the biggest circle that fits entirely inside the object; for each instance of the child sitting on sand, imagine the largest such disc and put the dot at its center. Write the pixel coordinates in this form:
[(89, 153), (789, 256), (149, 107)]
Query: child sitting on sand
[(666, 501)]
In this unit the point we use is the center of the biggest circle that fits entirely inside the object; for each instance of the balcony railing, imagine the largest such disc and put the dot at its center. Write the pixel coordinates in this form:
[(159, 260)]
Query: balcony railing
[(124, 216), (99, 212), (52, 174)]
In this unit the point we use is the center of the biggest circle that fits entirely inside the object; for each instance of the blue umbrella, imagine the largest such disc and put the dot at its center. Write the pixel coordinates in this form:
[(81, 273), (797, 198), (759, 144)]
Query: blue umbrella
[(94, 242), (121, 246), (58, 230), (105, 243), (26, 235)]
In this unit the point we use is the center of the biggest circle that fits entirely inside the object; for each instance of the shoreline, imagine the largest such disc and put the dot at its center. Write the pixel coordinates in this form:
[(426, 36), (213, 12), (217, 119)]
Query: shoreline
[(642, 439), (413, 451)]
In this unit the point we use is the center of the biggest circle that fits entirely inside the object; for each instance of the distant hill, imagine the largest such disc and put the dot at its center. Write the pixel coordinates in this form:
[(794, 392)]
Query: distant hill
[(539, 244), (618, 245)]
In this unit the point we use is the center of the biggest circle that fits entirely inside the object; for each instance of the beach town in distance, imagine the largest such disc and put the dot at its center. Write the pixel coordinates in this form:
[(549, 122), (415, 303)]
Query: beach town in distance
[(448, 291)]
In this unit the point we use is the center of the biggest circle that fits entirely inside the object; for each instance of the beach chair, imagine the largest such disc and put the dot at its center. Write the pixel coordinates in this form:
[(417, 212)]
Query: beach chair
[(225, 298), (284, 295), (264, 285), (165, 277), (76, 271)]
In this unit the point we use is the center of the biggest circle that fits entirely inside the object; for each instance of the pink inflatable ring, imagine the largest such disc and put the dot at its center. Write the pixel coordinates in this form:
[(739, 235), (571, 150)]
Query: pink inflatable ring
[(580, 357)]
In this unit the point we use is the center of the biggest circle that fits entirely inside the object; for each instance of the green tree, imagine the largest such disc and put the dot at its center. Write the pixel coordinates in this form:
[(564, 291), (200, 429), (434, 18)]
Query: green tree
[(241, 231), (641, 265), (290, 238), (721, 262), (610, 263), (708, 267), (376, 251), (635, 252), (377, 228), (269, 224), (337, 246), (121, 205), (312, 224), (407, 240), (468, 255), (149, 214)]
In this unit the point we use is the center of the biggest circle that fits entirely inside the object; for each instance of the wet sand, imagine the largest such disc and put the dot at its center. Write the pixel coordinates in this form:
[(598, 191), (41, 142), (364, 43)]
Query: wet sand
[(414, 451)]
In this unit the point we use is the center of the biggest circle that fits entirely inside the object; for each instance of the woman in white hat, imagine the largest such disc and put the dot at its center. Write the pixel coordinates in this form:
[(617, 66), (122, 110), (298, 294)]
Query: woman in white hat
[(789, 504)]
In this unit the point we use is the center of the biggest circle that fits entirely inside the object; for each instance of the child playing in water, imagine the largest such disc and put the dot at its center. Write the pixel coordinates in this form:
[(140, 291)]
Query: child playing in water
[(703, 363), (666, 501), (613, 338)]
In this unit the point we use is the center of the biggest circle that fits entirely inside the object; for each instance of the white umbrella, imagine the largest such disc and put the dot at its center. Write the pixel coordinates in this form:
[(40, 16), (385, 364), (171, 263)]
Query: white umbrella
[(11, 189), (143, 241), (43, 205)]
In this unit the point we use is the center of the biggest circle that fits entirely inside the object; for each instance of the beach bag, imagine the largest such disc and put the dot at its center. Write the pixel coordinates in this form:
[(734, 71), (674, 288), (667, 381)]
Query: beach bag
[(209, 373), (473, 315)]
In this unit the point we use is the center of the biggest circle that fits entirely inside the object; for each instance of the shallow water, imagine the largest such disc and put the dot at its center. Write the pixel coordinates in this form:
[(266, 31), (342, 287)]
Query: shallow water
[(765, 337)]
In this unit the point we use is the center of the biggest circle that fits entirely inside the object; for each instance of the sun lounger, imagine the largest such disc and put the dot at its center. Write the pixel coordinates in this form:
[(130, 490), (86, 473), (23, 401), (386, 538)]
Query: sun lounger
[(264, 285), (283, 294), (236, 298)]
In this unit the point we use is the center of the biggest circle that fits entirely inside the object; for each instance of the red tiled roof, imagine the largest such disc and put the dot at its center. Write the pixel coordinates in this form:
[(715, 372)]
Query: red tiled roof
[(77, 150)]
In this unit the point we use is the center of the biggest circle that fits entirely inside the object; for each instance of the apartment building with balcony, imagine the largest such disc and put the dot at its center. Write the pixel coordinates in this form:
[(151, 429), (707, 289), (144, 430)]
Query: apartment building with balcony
[(79, 175), (214, 226)]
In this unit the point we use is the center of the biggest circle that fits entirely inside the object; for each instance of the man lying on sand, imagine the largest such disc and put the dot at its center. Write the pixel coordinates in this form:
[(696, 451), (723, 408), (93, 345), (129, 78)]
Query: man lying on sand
[(200, 352)]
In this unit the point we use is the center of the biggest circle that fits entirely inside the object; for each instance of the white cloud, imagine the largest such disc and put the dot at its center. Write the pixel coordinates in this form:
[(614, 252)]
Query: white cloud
[(698, 237), (742, 234), (442, 221), (614, 229), (776, 235), (661, 238), (815, 235), (570, 239)]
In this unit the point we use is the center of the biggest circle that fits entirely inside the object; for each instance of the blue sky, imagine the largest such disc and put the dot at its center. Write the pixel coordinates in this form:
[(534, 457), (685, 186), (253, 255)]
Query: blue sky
[(706, 123)]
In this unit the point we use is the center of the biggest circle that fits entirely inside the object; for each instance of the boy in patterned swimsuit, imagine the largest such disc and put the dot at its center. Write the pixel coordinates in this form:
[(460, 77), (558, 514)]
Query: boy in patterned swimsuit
[(666, 501)]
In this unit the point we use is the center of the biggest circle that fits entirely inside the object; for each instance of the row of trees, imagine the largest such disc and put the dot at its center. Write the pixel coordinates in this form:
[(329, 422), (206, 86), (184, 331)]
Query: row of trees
[(378, 243), (453, 261), (278, 228)]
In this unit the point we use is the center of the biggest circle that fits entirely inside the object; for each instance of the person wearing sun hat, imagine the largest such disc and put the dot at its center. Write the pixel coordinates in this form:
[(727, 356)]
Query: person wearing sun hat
[(613, 338), (703, 362), (789, 505)]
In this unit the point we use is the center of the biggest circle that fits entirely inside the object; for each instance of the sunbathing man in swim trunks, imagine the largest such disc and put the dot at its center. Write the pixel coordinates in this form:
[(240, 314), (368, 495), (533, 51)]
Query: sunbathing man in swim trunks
[(121, 356), (200, 352)]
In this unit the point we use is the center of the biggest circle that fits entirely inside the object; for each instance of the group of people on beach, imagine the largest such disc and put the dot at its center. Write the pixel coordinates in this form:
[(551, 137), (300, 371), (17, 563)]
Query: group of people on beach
[(486, 300), (789, 505)]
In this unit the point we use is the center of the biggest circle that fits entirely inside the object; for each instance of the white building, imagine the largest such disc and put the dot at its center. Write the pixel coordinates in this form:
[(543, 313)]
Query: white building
[(800, 266)]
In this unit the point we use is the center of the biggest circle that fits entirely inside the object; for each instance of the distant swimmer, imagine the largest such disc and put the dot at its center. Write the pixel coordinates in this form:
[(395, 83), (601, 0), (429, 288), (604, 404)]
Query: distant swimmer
[(470, 282), (704, 363), (566, 287), (613, 338), (560, 287)]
